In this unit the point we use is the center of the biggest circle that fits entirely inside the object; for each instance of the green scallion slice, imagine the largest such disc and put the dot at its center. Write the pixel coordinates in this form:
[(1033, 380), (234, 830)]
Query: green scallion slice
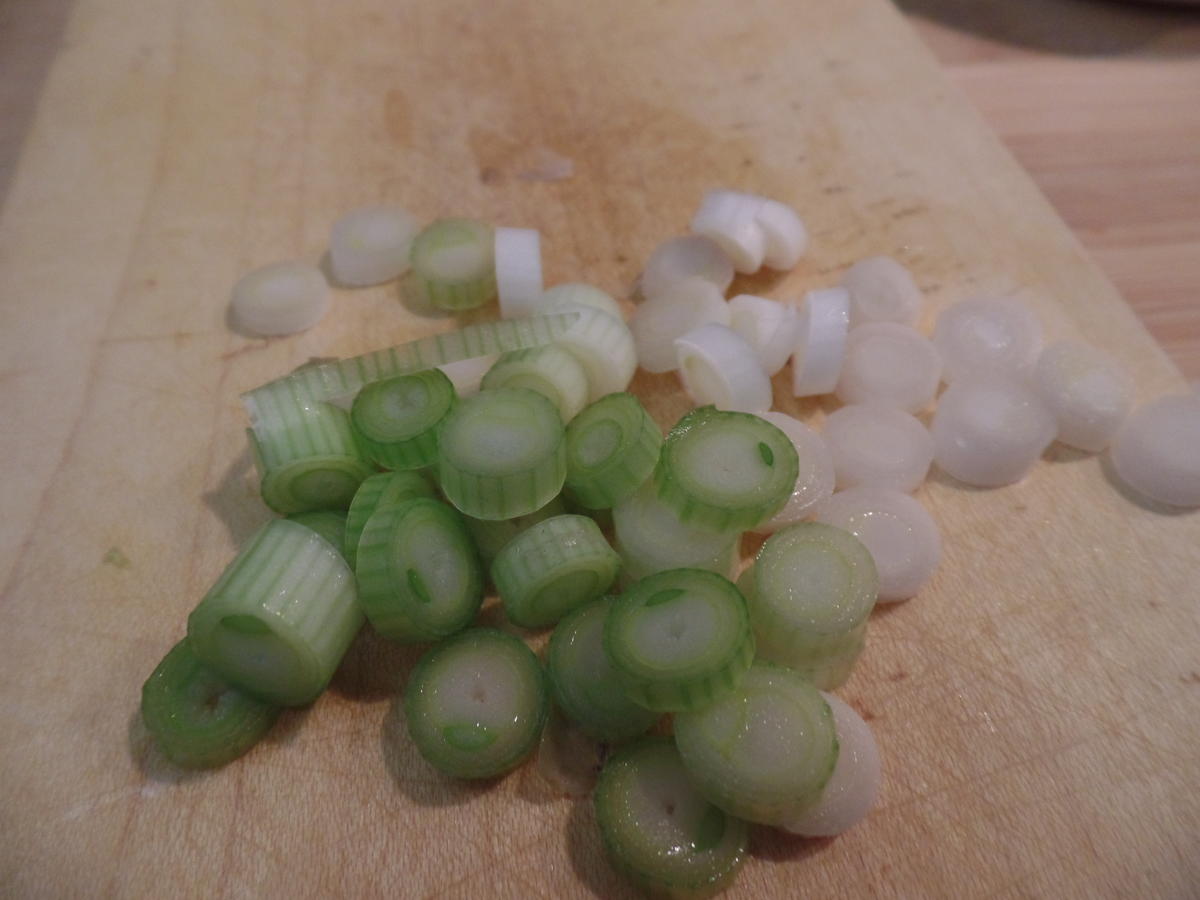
[(396, 420), (810, 592), (550, 370), (583, 681), (491, 535), (650, 538), (306, 454), (553, 567), (502, 454), (328, 524), (612, 448), (379, 492), (419, 576), (726, 470), (281, 616), (764, 751), (476, 704), (453, 264), (659, 830), (679, 639), (199, 719)]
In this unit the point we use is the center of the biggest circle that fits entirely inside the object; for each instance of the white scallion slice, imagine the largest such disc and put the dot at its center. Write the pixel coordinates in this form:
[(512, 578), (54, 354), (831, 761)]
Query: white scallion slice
[(879, 445), (881, 290), (659, 321), (810, 591), (650, 538), (551, 370), (518, 253), (989, 431), (899, 532), (815, 472), (659, 831), (784, 233), (679, 639), (765, 750), (854, 785), (281, 616), (987, 336), (454, 264), (577, 293), (280, 298), (1087, 392), (770, 327), (476, 704), (889, 363), (1157, 451), (502, 454), (820, 342), (603, 345), (371, 245), (681, 258), (730, 218), (718, 366)]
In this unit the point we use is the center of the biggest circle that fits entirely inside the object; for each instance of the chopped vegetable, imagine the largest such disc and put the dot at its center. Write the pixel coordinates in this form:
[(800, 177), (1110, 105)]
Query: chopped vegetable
[(396, 420), (881, 290), (681, 258), (380, 492), (281, 298), (550, 370), (518, 255), (985, 337), (820, 342), (454, 264), (612, 448), (1157, 452), (371, 245), (878, 445), (685, 305), (889, 363), (730, 219), (718, 366), (1086, 391)]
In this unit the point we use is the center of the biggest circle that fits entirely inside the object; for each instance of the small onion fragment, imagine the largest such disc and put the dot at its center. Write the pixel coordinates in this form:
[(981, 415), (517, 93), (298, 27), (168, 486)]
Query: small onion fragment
[(878, 445), (657, 322), (990, 432), (881, 290), (899, 532), (987, 336), (890, 364), (1157, 451), (1086, 391), (680, 258), (718, 366), (815, 474), (371, 245), (518, 254), (730, 218), (280, 298), (821, 342), (770, 327)]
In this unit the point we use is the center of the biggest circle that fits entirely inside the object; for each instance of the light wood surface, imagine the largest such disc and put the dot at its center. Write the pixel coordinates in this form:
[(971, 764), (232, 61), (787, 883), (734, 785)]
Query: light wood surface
[(1037, 706)]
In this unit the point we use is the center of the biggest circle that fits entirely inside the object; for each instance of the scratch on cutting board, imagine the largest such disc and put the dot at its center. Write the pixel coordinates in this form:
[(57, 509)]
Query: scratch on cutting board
[(108, 798), (114, 557), (548, 166)]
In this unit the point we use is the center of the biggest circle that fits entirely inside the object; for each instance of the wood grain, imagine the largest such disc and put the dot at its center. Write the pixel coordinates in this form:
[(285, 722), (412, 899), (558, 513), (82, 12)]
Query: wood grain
[(1037, 706)]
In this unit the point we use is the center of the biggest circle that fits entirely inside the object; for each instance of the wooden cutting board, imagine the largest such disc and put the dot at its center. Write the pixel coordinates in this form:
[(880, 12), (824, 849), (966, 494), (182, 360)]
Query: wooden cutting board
[(1038, 705)]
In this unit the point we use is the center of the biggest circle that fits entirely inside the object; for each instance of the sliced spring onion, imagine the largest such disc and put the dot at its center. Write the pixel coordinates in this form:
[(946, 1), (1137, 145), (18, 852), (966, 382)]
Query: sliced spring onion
[(659, 831), (1087, 392), (328, 524), (820, 342), (612, 448), (603, 345), (881, 290), (371, 245), (380, 492), (583, 682), (306, 454), (476, 704), (518, 253), (901, 536), (852, 788), (725, 471), (551, 370), (659, 321), (396, 420), (419, 575), (1157, 451), (467, 374), (502, 454), (576, 293), (551, 568), (730, 219), (280, 298), (454, 264), (680, 258), (198, 719), (878, 445), (765, 750), (679, 639), (814, 474), (889, 363), (985, 337), (718, 366), (491, 536), (770, 327), (989, 430), (811, 590), (650, 538), (344, 378), (281, 616), (784, 234)]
